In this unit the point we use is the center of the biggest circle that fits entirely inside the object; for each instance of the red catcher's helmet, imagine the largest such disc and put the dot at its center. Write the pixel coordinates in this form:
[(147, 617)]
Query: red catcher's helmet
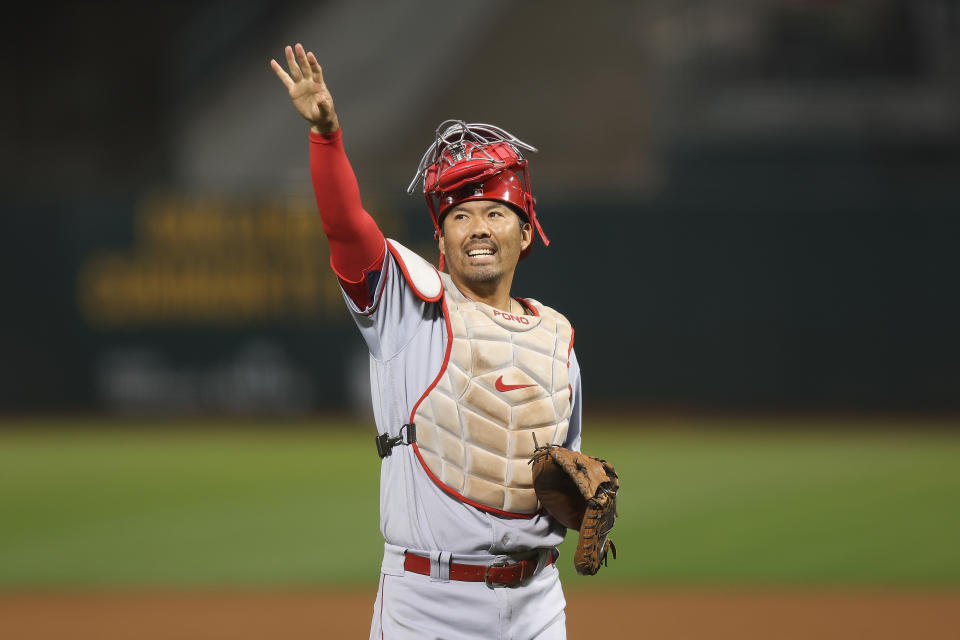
[(476, 162)]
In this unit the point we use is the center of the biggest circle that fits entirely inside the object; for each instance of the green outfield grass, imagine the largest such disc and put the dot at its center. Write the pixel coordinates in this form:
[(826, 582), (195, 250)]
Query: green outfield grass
[(702, 503)]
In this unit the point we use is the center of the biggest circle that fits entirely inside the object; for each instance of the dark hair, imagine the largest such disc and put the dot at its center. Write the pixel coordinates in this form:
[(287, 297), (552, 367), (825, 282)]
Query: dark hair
[(524, 218)]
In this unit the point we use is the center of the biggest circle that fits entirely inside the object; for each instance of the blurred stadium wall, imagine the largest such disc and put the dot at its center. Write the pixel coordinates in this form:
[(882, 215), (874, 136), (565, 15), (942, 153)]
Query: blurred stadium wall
[(753, 205)]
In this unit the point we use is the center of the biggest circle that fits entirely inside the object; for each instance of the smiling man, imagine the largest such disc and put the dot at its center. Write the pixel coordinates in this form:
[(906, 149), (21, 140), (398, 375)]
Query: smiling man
[(468, 382), (481, 242)]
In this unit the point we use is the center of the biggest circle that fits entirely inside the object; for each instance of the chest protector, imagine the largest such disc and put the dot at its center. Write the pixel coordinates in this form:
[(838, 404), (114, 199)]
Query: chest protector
[(505, 378)]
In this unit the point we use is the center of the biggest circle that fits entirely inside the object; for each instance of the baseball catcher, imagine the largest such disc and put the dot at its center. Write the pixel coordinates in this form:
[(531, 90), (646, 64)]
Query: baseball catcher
[(466, 379)]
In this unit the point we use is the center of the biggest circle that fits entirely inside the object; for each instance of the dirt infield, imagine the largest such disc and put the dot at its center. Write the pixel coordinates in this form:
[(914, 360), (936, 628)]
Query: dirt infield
[(639, 614)]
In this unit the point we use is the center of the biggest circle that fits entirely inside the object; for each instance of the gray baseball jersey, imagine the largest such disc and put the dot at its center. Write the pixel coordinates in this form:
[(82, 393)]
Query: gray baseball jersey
[(407, 339)]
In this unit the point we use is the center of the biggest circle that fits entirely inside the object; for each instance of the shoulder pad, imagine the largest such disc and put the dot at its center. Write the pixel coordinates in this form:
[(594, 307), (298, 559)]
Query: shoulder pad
[(420, 275)]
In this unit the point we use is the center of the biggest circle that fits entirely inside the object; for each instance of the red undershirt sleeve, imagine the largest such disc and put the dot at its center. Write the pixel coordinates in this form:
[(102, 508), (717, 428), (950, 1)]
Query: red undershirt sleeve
[(356, 242)]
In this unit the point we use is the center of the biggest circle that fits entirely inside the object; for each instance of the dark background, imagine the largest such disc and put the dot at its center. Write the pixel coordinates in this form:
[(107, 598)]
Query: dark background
[(752, 206)]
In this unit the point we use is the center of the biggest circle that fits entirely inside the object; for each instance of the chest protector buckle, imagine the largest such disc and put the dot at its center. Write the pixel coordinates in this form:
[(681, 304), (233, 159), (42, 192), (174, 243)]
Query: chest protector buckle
[(385, 443)]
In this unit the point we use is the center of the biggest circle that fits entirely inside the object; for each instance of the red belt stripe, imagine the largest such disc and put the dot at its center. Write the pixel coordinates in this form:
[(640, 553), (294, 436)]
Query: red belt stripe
[(500, 574)]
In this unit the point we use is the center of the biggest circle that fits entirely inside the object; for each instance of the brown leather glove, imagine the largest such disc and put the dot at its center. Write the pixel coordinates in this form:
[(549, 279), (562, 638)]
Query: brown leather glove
[(580, 492)]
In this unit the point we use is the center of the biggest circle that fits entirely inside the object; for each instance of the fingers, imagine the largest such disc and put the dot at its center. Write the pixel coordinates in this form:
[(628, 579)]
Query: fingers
[(302, 62), (283, 75), (315, 67), (295, 72)]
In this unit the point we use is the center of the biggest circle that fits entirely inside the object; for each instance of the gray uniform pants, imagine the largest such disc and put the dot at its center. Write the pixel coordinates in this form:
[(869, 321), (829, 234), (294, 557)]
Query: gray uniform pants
[(421, 607)]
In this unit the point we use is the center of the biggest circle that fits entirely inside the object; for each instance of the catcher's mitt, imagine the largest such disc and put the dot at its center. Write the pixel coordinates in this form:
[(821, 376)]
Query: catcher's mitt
[(580, 491)]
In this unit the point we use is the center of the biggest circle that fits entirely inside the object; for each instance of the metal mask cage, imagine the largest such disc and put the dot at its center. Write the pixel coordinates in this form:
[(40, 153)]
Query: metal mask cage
[(450, 147)]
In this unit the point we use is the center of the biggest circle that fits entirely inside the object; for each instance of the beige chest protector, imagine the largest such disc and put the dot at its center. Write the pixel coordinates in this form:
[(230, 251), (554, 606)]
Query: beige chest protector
[(504, 379)]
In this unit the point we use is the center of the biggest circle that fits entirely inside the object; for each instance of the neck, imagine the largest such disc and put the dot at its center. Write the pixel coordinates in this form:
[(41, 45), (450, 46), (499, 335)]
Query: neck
[(496, 294)]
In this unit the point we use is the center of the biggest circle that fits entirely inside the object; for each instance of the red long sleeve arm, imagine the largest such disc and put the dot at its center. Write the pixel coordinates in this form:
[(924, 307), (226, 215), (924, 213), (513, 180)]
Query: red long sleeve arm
[(356, 242)]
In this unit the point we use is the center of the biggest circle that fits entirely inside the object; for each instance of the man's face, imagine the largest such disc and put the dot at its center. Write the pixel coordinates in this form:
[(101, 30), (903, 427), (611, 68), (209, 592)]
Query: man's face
[(482, 240)]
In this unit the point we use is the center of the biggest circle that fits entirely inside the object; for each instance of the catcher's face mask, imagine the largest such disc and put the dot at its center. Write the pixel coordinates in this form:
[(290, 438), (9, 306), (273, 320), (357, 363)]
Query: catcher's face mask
[(476, 162)]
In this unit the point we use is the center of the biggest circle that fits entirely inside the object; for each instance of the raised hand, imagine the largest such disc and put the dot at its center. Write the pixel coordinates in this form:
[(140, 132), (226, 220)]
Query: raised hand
[(307, 90)]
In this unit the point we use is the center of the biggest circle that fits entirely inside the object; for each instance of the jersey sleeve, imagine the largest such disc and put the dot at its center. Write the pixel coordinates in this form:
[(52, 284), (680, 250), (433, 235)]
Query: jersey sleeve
[(572, 441), (385, 308), (356, 242), (394, 312)]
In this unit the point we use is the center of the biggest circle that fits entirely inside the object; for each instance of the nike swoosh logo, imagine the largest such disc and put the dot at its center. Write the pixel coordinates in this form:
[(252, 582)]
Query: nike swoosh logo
[(510, 387)]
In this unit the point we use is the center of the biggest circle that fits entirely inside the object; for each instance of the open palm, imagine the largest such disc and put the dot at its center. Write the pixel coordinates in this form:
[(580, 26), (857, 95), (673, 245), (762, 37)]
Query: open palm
[(307, 90)]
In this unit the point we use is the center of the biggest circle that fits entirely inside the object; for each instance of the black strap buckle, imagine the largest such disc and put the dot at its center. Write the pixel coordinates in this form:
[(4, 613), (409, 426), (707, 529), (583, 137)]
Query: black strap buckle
[(385, 443)]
